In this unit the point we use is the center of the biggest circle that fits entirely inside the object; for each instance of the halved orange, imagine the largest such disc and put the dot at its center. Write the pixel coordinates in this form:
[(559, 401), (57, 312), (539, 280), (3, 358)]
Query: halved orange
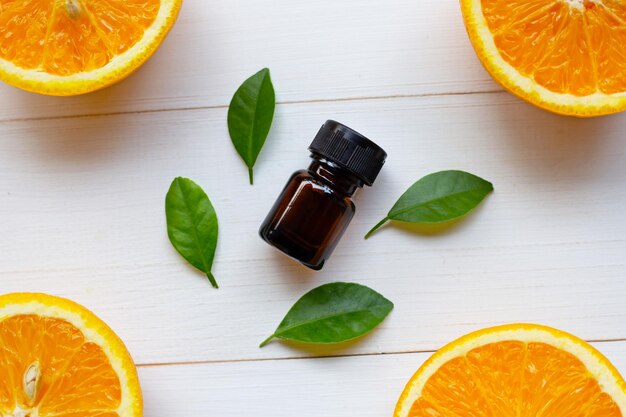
[(566, 56), (57, 359), (521, 370), (69, 47)]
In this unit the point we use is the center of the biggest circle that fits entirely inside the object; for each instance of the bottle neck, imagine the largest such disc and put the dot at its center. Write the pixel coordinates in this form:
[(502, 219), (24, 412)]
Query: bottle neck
[(335, 176)]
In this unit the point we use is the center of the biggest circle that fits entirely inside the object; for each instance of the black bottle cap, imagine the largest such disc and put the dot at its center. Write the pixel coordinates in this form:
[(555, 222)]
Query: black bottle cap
[(350, 150)]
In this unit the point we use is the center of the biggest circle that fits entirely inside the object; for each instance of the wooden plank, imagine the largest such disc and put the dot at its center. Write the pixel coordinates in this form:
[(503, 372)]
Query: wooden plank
[(81, 215), (317, 50), (339, 387)]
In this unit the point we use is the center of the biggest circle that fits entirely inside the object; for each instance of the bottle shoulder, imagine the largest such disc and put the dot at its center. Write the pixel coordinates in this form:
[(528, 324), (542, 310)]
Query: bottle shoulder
[(301, 174), (322, 186)]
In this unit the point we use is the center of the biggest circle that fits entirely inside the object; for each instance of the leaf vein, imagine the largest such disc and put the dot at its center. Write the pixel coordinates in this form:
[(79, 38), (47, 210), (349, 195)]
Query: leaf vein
[(425, 203), (329, 316), (196, 237)]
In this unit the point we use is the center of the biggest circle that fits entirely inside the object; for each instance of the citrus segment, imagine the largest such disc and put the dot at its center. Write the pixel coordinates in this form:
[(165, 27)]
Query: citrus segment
[(555, 381), (89, 382), (57, 359), (122, 23), (502, 386), (453, 389), (515, 371), (563, 55), (22, 27), (66, 47), (607, 32), (72, 44)]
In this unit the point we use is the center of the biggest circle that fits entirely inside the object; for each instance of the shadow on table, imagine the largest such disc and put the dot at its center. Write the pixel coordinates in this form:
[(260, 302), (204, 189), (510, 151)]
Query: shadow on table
[(154, 86), (97, 134), (433, 229), (110, 100), (298, 276), (81, 140), (552, 145), (324, 350)]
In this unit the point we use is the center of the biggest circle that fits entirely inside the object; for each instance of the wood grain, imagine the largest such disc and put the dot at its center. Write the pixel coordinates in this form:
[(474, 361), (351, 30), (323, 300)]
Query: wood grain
[(82, 215), (317, 50), (337, 387)]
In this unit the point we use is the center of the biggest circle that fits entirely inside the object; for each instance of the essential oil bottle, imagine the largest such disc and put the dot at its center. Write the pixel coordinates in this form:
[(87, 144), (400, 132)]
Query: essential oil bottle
[(314, 209)]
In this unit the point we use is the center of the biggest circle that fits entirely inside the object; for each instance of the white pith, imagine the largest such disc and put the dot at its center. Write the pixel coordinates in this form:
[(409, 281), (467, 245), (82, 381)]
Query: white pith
[(576, 4)]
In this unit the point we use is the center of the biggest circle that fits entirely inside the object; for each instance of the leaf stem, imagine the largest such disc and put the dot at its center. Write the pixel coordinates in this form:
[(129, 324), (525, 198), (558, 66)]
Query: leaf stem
[(251, 175), (212, 279), (266, 341), (375, 228)]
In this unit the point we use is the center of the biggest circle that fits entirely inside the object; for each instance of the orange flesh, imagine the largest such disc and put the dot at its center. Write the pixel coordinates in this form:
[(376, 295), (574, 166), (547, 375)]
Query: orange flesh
[(77, 379), (64, 37), (567, 46), (514, 379)]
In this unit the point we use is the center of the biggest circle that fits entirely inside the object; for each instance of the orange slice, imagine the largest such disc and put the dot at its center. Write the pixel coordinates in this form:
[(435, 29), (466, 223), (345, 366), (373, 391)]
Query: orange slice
[(515, 371), (69, 47), (57, 359), (566, 56)]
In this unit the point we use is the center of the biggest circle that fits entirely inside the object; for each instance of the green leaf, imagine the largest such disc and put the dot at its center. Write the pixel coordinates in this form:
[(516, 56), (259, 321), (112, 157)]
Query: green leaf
[(438, 198), (333, 313), (250, 116), (192, 224)]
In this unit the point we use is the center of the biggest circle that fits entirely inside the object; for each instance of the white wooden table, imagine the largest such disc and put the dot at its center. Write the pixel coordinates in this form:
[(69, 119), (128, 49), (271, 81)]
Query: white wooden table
[(83, 182)]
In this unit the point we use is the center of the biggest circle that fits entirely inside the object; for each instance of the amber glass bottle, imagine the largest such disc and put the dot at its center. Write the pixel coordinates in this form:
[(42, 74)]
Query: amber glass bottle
[(315, 207)]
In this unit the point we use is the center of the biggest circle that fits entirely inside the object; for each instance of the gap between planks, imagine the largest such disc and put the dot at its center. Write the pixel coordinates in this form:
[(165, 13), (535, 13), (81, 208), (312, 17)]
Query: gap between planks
[(348, 355), (224, 106)]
